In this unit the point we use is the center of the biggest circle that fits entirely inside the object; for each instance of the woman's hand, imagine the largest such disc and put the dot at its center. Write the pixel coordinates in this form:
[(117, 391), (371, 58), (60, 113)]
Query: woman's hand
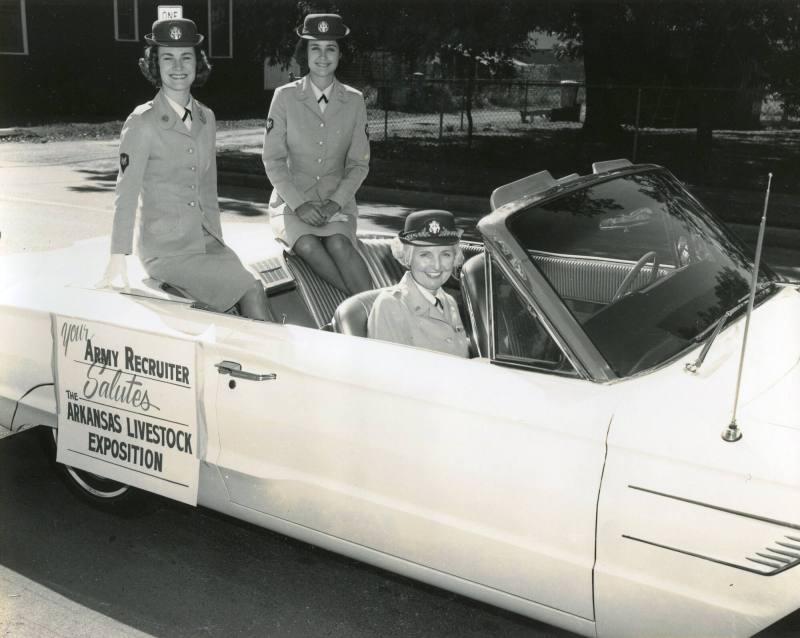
[(310, 214), (117, 267), (330, 208)]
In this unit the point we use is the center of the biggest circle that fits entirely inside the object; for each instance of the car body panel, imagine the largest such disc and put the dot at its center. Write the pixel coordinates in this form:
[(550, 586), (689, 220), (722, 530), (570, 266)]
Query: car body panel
[(474, 476), (685, 514)]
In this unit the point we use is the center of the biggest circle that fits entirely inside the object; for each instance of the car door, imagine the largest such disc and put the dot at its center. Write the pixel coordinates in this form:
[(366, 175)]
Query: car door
[(478, 471)]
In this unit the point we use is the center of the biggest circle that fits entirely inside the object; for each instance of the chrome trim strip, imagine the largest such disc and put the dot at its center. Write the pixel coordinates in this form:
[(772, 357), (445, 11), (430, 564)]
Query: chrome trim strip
[(755, 517), (782, 552), (714, 560), (775, 559), (763, 562)]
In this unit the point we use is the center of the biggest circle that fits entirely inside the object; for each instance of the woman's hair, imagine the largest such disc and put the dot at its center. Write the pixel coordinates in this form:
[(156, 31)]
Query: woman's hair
[(301, 53), (403, 252), (148, 65)]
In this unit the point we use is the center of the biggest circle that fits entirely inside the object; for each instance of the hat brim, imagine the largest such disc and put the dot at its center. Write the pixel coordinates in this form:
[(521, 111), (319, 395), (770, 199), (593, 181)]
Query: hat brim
[(308, 36), (149, 39), (449, 240)]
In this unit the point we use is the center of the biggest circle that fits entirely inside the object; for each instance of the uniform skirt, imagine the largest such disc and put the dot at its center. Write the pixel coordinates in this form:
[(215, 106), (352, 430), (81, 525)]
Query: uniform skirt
[(216, 277), (289, 228)]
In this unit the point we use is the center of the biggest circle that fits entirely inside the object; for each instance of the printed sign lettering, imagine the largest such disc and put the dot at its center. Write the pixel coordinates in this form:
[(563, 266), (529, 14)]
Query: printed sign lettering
[(127, 406)]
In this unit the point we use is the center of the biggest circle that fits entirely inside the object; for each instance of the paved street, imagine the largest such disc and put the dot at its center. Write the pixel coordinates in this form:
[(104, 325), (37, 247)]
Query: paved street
[(52, 195)]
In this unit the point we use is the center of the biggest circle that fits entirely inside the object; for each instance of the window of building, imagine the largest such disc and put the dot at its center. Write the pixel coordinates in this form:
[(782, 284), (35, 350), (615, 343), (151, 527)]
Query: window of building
[(126, 20), (13, 28), (220, 30)]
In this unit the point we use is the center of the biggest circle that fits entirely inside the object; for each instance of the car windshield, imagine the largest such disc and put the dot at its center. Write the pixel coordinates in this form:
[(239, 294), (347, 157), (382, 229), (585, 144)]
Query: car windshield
[(640, 264)]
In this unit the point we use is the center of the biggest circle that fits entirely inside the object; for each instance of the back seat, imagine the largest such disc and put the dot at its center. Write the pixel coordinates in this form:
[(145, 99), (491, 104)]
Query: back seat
[(322, 298)]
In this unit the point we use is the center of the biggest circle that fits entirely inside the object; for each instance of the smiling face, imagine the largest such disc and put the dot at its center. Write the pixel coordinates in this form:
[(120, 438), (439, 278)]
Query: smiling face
[(323, 58), (177, 67), (431, 266)]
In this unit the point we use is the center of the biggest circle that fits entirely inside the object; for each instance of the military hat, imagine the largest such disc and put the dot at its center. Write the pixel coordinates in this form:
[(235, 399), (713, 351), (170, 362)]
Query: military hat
[(177, 32), (430, 228), (322, 26)]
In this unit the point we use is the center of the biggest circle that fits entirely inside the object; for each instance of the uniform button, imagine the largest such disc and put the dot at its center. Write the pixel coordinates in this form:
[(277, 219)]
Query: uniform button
[(317, 177), (449, 340), (321, 142), (321, 124), (194, 168), (192, 186), (319, 160), (192, 203), (190, 150)]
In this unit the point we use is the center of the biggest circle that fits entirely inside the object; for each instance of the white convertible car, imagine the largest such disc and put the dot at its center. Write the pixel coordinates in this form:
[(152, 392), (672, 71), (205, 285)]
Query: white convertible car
[(573, 470)]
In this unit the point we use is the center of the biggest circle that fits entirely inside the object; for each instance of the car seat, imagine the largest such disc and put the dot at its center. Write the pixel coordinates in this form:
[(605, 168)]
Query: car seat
[(473, 288), (350, 317)]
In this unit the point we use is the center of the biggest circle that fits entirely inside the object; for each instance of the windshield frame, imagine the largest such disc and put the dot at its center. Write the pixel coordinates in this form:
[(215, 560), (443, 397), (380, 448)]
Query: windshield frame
[(533, 284)]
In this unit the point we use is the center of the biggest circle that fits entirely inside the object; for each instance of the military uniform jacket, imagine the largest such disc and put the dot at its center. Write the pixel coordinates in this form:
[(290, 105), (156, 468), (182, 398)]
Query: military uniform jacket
[(403, 315), (313, 156), (174, 173)]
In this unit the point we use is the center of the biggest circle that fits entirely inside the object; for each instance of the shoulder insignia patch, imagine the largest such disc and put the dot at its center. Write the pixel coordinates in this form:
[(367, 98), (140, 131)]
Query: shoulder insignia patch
[(124, 160), (366, 129), (270, 124)]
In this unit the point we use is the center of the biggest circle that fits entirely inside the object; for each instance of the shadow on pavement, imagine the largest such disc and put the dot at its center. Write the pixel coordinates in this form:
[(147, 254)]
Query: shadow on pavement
[(176, 570)]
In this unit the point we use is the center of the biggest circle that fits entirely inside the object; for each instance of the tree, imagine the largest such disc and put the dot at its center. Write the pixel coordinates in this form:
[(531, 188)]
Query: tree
[(713, 48)]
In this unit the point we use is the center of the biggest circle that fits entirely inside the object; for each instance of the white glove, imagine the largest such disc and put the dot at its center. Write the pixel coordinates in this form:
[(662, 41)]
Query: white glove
[(117, 267)]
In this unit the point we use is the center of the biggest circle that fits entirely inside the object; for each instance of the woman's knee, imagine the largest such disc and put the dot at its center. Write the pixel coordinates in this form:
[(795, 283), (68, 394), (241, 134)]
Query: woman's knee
[(339, 246), (306, 246)]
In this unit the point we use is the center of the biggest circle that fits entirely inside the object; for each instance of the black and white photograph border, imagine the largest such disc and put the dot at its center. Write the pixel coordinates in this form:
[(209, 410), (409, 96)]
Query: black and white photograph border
[(557, 482)]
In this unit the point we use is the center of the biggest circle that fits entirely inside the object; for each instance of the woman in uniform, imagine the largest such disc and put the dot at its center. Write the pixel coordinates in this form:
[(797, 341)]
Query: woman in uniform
[(316, 155), (417, 312), (167, 156)]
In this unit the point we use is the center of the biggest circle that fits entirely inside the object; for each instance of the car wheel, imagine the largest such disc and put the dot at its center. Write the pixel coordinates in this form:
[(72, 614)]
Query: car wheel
[(93, 488)]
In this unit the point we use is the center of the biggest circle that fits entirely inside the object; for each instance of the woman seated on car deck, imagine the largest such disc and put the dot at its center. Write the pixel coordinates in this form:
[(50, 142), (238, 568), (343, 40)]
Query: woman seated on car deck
[(167, 161), (316, 155), (417, 312)]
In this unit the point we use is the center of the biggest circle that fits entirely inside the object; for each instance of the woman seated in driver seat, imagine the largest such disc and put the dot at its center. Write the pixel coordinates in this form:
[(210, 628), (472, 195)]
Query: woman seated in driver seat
[(417, 312)]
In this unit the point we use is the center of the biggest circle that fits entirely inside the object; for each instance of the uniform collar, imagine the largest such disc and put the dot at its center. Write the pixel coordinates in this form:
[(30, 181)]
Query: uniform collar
[(334, 92), (168, 117), (427, 294), (178, 108), (421, 302), (317, 93)]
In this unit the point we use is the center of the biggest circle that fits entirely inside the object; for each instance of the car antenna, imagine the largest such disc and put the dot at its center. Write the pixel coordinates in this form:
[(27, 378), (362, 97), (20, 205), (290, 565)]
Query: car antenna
[(732, 432)]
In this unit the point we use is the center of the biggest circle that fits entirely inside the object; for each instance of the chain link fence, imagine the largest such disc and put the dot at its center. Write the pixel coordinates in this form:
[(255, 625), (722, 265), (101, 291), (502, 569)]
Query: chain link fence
[(431, 110)]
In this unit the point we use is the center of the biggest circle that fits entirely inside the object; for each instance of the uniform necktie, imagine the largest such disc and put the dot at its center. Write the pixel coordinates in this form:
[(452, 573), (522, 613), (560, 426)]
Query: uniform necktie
[(438, 304), (322, 101), (187, 113)]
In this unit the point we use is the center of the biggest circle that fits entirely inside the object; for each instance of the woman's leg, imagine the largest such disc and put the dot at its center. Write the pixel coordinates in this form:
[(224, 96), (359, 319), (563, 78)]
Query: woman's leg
[(312, 251), (254, 304), (348, 261)]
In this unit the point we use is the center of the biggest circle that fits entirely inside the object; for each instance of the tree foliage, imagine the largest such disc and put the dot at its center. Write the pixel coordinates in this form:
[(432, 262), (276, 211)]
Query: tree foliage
[(709, 46)]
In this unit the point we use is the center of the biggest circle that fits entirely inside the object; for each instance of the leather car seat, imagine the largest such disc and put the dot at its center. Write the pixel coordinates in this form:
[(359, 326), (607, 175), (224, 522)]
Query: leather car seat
[(473, 288), (350, 316)]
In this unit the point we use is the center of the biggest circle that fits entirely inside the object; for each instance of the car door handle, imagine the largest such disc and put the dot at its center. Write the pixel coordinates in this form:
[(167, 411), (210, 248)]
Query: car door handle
[(235, 370)]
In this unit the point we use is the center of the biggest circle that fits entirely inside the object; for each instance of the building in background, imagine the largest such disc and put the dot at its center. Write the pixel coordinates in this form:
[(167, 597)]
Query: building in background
[(67, 59)]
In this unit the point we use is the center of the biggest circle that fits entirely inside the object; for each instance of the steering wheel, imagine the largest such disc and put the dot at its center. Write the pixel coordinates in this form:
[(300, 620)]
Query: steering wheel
[(631, 276)]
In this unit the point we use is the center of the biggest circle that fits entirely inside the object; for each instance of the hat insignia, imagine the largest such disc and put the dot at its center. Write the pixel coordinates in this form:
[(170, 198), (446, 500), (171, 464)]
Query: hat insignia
[(175, 33), (322, 27), (434, 227)]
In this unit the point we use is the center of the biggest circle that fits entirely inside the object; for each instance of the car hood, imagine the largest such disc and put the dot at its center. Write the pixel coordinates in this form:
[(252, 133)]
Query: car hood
[(778, 404), (771, 373)]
